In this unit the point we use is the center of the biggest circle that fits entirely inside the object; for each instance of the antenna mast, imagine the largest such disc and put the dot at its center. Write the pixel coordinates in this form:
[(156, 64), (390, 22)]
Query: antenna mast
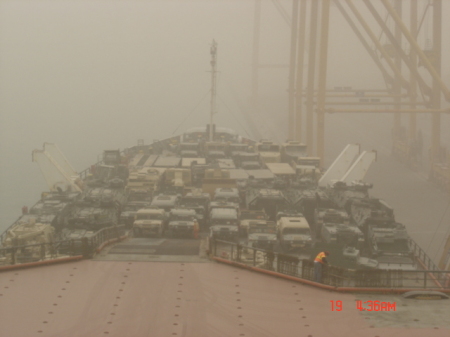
[(213, 88)]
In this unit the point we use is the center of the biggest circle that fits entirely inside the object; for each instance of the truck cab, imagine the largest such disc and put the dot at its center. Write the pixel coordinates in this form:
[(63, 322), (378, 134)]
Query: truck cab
[(183, 223), (248, 216), (293, 232), (149, 221), (248, 161), (200, 202), (227, 195), (224, 224), (128, 213), (262, 234)]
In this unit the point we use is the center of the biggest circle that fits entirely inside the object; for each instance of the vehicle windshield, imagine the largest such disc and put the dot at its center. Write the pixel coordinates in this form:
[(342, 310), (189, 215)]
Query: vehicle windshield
[(263, 230), (252, 216), (149, 217), (293, 230)]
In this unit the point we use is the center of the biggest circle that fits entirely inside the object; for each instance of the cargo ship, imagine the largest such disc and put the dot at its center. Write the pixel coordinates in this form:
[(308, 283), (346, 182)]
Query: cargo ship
[(209, 233)]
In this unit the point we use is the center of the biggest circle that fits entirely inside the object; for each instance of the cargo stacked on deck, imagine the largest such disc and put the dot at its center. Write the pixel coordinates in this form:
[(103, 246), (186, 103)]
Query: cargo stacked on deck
[(224, 224), (248, 216), (128, 214), (182, 223), (150, 221), (144, 183), (292, 151), (328, 216), (294, 232), (249, 183), (200, 202), (262, 234), (269, 200)]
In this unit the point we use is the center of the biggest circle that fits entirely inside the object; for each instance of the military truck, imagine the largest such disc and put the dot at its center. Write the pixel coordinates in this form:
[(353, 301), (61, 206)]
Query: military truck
[(235, 149), (269, 200), (228, 195), (328, 216), (165, 201), (246, 217), (293, 232), (183, 223), (29, 233), (262, 234), (344, 195), (91, 218), (127, 216), (178, 180), (389, 244), (224, 216), (224, 224), (248, 160), (150, 221), (217, 178), (144, 183), (269, 151), (224, 232), (346, 235), (104, 197), (307, 200), (200, 202)]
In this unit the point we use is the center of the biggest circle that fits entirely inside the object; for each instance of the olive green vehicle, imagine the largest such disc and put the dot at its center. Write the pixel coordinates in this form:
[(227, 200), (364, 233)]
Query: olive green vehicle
[(150, 222)]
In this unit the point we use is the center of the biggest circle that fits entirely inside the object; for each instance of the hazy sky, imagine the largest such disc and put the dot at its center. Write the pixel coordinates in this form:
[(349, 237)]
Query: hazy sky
[(95, 75)]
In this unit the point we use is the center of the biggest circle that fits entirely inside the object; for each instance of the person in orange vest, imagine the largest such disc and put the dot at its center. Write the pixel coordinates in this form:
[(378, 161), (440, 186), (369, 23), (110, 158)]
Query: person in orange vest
[(196, 229), (319, 261)]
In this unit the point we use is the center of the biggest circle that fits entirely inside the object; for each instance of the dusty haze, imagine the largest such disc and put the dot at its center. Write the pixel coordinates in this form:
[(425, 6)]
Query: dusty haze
[(95, 75)]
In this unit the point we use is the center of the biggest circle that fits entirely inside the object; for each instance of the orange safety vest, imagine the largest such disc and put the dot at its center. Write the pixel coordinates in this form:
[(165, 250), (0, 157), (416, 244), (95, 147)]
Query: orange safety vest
[(319, 257)]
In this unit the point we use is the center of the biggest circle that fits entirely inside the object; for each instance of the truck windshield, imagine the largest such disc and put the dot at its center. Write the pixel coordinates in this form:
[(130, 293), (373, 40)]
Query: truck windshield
[(252, 216), (294, 230), (265, 230)]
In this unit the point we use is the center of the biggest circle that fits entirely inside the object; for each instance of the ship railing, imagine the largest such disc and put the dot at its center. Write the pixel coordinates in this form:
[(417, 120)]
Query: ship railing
[(421, 257), (86, 246), (331, 275)]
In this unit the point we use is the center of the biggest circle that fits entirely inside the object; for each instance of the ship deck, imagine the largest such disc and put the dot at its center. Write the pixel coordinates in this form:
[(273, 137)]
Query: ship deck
[(120, 293)]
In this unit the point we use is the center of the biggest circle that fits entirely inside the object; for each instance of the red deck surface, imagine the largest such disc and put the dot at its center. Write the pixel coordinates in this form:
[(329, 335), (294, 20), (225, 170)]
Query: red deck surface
[(103, 298)]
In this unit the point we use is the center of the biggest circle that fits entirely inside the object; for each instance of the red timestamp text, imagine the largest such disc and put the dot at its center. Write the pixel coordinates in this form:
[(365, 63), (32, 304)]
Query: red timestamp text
[(376, 306), (367, 306)]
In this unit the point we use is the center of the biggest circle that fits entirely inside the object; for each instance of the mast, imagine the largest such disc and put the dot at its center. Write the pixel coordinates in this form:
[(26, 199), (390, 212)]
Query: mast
[(213, 88)]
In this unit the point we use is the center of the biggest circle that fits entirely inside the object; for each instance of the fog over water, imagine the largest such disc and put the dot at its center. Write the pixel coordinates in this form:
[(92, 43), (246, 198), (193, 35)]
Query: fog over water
[(95, 75)]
